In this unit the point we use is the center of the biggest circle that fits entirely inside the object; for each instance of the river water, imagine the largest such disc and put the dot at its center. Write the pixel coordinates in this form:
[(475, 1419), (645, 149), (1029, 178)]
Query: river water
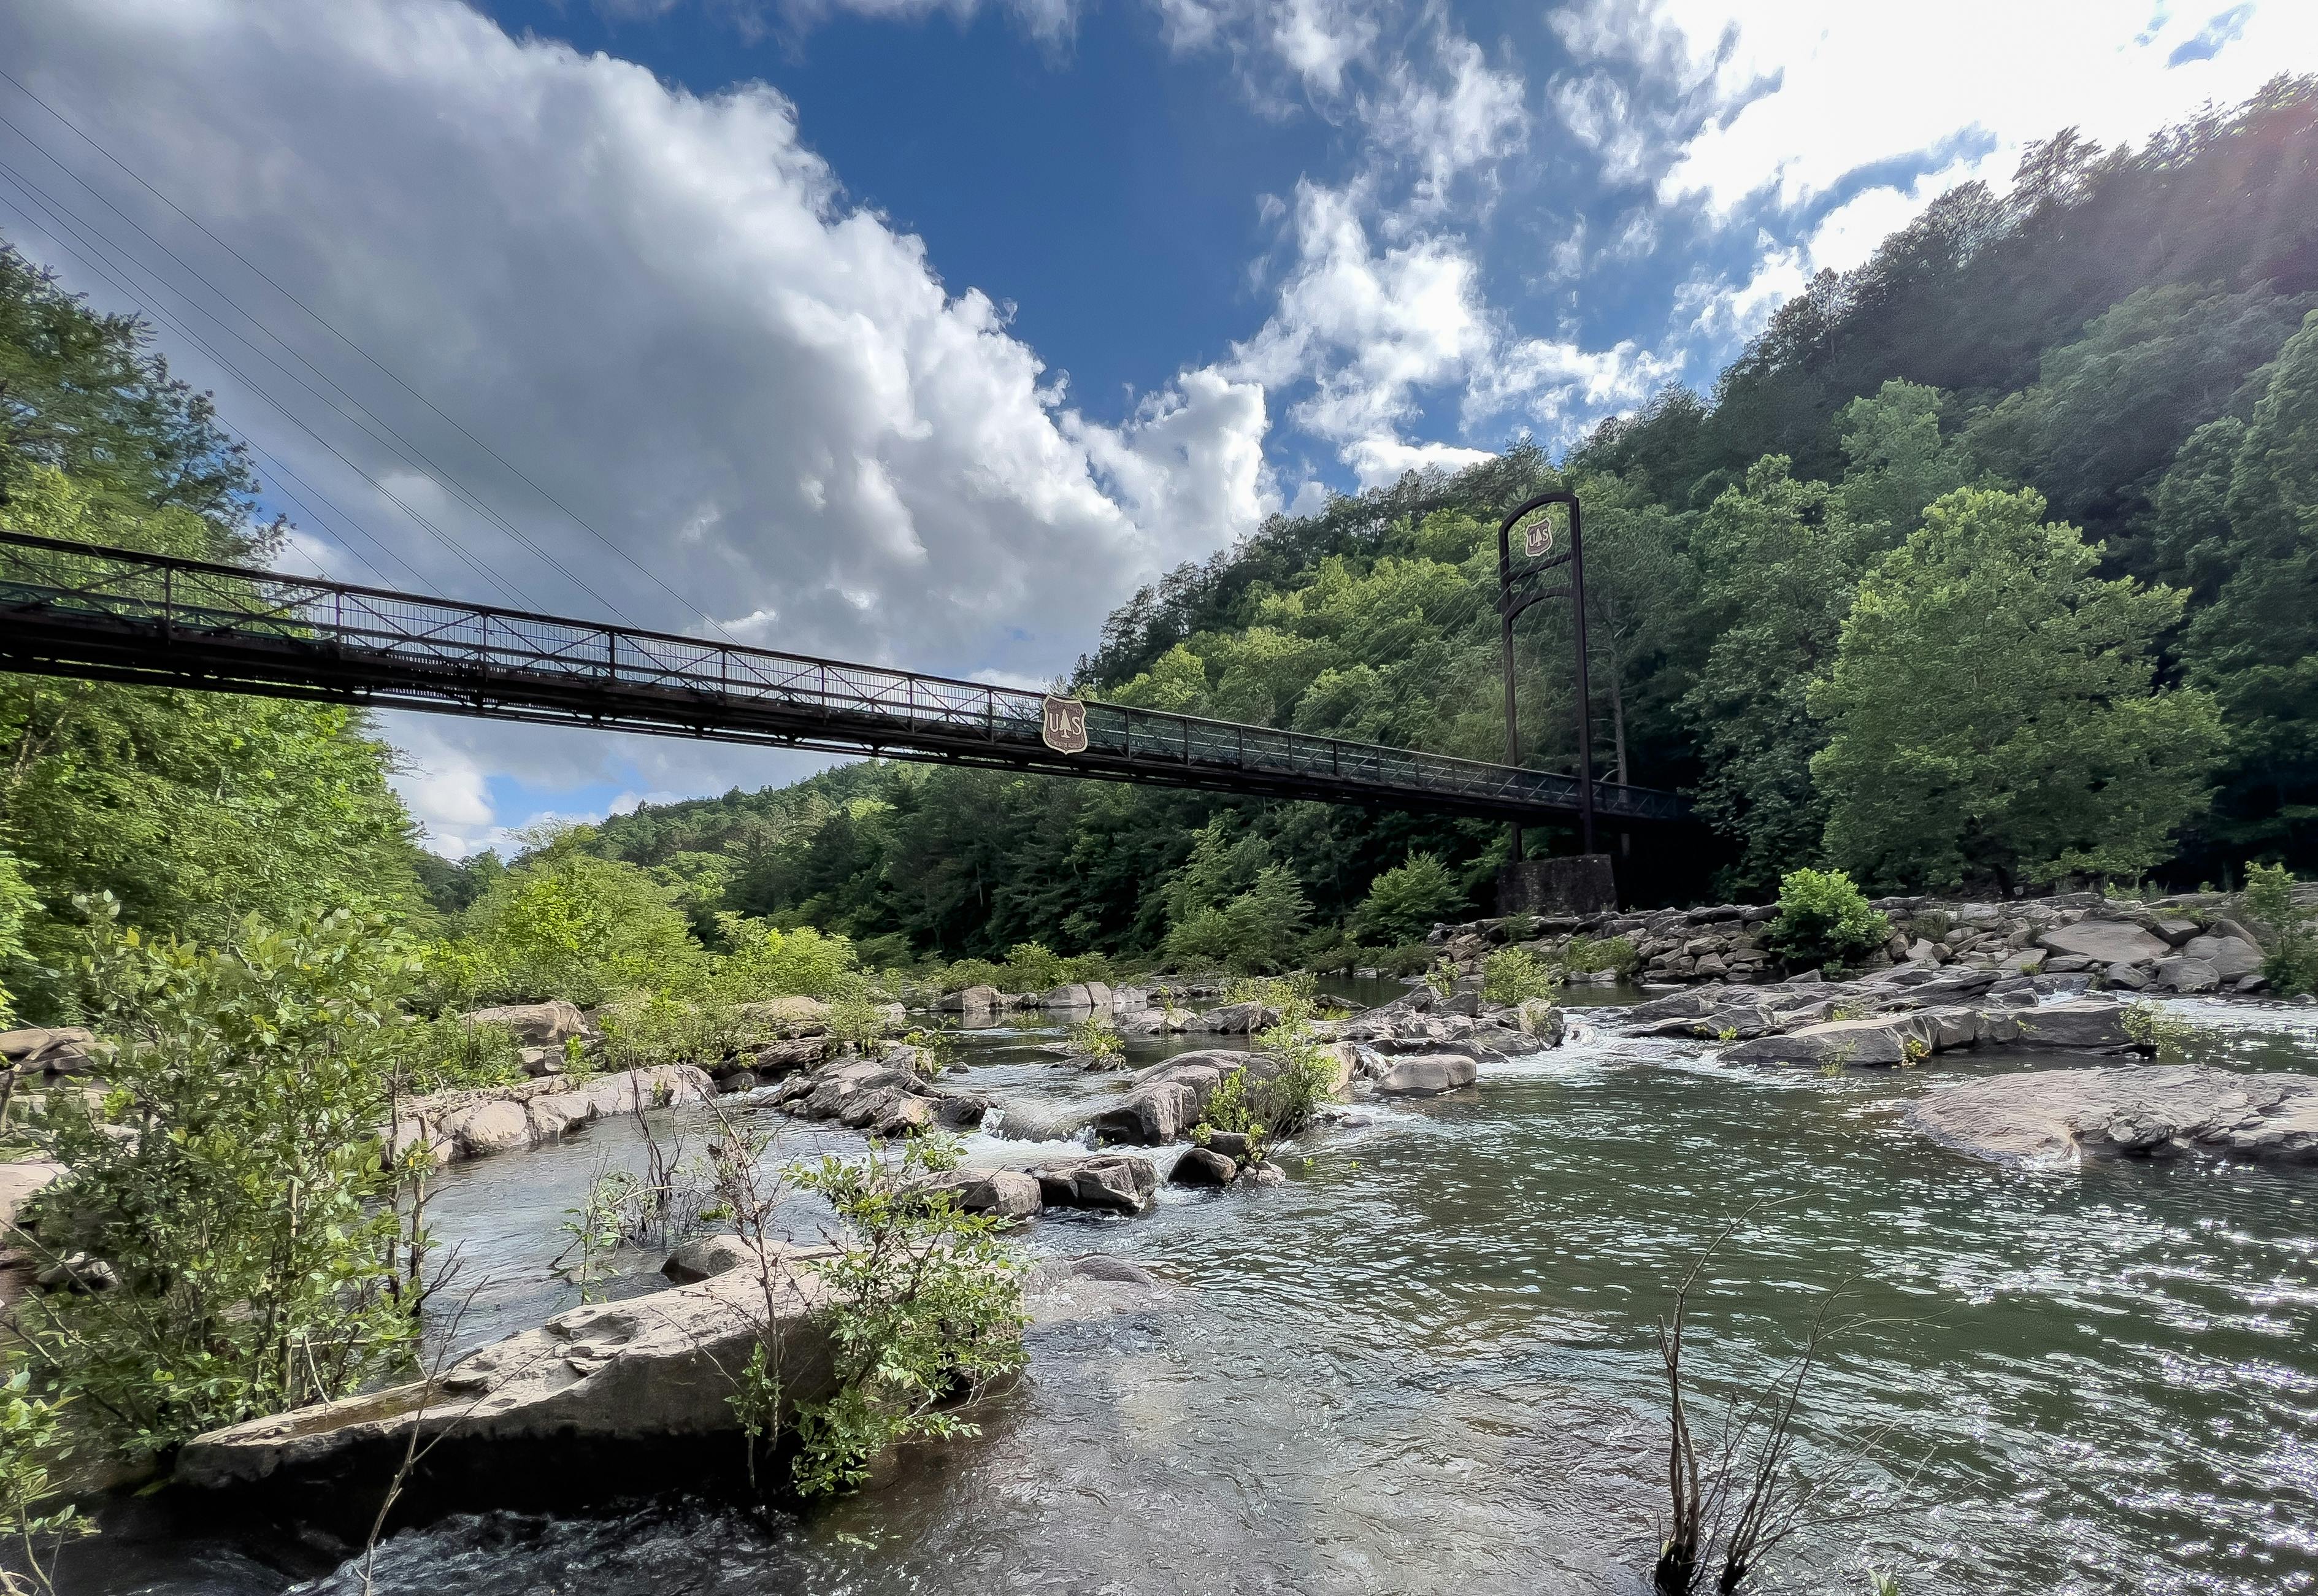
[(1425, 1365)]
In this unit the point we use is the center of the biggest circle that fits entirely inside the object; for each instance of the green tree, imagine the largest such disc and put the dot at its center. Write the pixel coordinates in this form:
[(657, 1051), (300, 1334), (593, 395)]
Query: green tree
[(231, 1176), (1408, 899), (17, 905), (1776, 572), (1992, 709), (565, 923), (1896, 460), (1254, 932), (193, 809), (2256, 647)]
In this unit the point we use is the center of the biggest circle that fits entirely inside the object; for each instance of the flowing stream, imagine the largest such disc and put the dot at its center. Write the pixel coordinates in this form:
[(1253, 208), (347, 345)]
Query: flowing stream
[(1426, 1364)]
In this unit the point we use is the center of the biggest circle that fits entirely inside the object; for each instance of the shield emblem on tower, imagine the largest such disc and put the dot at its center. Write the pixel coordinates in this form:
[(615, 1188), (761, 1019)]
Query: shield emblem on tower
[(1063, 728), (1537, 537)]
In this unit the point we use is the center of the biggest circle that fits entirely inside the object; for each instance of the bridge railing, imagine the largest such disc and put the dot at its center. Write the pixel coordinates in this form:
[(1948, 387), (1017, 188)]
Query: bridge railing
[(460, 651)]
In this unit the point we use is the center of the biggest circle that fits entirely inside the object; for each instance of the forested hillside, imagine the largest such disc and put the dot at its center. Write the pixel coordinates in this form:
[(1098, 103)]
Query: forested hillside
[(1991, 561)]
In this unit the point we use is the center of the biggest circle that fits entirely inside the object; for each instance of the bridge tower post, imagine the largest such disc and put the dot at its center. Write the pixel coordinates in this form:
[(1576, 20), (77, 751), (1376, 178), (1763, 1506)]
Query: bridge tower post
[(1518, 587)]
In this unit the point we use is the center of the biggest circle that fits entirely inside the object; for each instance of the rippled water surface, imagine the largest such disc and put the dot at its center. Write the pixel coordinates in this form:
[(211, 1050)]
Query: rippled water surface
[(1425, 1365)]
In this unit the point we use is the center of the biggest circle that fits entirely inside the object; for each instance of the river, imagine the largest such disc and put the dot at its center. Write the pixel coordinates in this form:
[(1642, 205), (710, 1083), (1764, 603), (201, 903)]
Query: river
[(1425, 1365)]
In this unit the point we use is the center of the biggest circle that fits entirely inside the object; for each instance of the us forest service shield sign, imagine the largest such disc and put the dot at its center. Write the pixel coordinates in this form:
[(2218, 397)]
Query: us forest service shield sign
[(1537, 538), (1065, 727)]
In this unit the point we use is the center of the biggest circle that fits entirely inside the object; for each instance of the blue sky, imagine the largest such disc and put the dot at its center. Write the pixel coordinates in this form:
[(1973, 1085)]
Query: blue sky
[(923, 331)]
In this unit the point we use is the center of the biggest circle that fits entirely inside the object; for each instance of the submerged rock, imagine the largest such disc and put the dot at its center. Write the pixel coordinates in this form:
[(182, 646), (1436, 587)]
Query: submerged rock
[(2151, 1111), (502, 1119)]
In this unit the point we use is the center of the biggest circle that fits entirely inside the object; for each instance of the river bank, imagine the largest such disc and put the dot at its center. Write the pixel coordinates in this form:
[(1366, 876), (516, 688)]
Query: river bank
[(1423, 1364)]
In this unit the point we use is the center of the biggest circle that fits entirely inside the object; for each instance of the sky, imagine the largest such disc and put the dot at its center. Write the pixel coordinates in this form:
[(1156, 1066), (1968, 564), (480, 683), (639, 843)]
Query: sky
[(924, 332)]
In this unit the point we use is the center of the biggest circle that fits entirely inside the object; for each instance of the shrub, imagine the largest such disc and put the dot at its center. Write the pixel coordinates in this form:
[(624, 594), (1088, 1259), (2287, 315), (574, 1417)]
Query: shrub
[(1410, 958), (1441, 975), (1512, 975), (857, 1020), (1096, 1039), (2151, 1028), (1584, 955), (766, 962), (567, 924), (448, 1055), (1408, 899), (1332, 951), (262, 1259), (1258, 931), (664, 1029), (1518, 927), (32, 1520), (925, 1313), (1030, 968), (1824, 919), (966, 972), (1931, 925), (2290, 963)]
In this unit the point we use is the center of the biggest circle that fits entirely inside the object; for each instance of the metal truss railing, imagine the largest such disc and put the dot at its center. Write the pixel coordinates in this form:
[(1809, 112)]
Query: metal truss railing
[(72, 609)]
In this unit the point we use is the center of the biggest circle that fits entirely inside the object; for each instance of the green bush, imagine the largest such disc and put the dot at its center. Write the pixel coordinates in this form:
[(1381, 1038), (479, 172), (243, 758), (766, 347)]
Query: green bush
[(1824, 919), (262, 1261), (1260, 930), (447, 1054), (1410, 958), (925, 1313), (857, 1020), (1096, 1039), (1518, 927), (2290, 963), (567, 924), (1584, 955), (766, 962), (1513, 975), (643, 1032), (966, 972), (1408, 899)]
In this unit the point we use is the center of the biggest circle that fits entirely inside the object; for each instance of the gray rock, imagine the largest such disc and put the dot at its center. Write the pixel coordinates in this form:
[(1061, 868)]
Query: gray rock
[(2234, 959), (972, 999), (738, 1080), (1202, 1165), (19, 1182), (2091, 1024), (1237, 1019), (2187, 975), (1542, 1022), (1010, 1193), (1877, 1041), (1232, 1144), (1427, 1074), (61, 1050), (1262, 1174), (2150, 1111), (2105, 942), (704, 1257), (1101, 1266), (652, 1369), (795, 1053), (1111, 1183)]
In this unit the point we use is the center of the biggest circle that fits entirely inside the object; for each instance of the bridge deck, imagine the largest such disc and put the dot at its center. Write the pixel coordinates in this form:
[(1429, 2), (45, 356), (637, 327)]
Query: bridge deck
[(76, 610)]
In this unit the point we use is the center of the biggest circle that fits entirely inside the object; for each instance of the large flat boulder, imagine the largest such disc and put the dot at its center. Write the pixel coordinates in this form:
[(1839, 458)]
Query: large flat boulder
[(1875, 1041), (2148, 1111), (651, 1370), (1010, 1193), (2095, 1025), (2105, 942), (18, 1182)]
